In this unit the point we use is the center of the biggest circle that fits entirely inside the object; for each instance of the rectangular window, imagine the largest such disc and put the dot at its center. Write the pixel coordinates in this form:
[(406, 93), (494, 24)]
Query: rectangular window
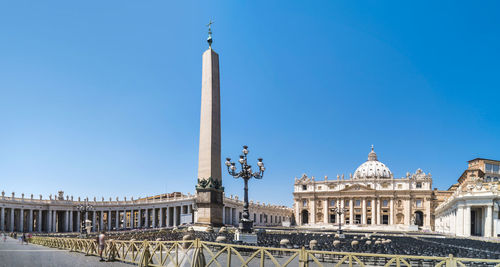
[(419, 203), (488, 168), (385, 203), (419, 185), (304, 203), (358, 203), (496, 169), (304, 187), (369, 203), (332, 203)]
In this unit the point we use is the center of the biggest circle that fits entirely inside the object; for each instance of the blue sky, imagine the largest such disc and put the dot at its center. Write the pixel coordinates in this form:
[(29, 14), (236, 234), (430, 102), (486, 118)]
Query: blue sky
[(102, 98)]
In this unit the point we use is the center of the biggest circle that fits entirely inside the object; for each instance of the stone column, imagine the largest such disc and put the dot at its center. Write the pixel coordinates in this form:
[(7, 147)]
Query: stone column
[(467, 221), (224, 215), (139, 218), (39, 222), (488, 221), (2, 219), (161, 217), (378, 210), (78, 221), (94, 217), (154, 218), (391, 211), (117, 219), (146, 220), (66, 221), (132, 219), (428, 213), (12, 220), (48, 219), (176, 215), (407, 211), (101, 220), (109, 220), (363, 212), (374, 209), (71, 223), (21, 220), (54, 221), (167, 217), (342, 206), (351, 211), (325, 211)]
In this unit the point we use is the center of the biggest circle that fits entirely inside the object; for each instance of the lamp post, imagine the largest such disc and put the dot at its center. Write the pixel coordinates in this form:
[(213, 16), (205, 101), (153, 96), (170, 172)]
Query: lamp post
[(339, 211), (246, 224), (83, 209)]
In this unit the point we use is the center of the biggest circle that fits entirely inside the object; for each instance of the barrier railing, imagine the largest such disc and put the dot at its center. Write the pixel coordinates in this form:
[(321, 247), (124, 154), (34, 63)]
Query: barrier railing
[(199, 253)]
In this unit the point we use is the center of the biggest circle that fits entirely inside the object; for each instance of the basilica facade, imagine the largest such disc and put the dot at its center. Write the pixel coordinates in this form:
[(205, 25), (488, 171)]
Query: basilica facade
[(371, 198)]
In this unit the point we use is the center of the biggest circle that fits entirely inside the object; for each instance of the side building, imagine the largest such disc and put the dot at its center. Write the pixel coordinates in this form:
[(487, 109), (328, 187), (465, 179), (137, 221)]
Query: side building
[(372, 198), (473, 209), (61, 213)]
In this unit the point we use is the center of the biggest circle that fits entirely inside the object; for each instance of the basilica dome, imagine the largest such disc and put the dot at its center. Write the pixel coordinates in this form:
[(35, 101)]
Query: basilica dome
[(372, 168)]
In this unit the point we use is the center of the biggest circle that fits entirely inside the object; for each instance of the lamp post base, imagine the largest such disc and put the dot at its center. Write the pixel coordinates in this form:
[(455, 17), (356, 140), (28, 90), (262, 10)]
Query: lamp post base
[(246, 226)]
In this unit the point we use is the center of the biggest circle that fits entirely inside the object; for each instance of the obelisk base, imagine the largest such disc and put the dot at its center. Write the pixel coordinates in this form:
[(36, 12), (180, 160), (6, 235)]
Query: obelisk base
[(210, 204)]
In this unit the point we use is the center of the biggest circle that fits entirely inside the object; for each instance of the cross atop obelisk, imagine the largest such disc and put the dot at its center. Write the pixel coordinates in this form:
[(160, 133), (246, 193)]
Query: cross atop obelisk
[(209, 39), (209, 188)]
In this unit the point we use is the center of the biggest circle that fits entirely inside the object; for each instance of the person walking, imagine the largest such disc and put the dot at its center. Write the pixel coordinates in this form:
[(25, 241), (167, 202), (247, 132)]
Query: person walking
[(102, 243)]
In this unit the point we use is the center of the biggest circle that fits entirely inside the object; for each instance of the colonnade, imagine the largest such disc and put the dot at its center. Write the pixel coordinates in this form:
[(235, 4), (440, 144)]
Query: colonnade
[(470, 219), (68, 219), (231, 216)]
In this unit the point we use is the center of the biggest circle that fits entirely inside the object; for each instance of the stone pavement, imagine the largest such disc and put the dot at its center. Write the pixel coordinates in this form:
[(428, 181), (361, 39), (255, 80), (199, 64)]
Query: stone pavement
[(13, 254)]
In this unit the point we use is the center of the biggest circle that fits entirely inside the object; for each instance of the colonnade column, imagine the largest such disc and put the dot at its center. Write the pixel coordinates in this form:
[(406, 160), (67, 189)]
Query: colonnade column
[(117, 219), (146, 220), (363, 212), (2, 219), (154, 218), (71, 223), (78, 221), (124, 225), (109, 220), (30, 220), (467, 221), (49, 221), (139, 218), (391, 211), (94, 215), (39, 222), (132, 219), (161, 217), (175, 215), (224, 215), (21, 220), (167, 218), (66, 221), (101, 220), (488, 221)]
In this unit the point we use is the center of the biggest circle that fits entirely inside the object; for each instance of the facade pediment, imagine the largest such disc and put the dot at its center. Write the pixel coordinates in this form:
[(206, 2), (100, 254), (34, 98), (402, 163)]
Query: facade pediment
[(357, 187)]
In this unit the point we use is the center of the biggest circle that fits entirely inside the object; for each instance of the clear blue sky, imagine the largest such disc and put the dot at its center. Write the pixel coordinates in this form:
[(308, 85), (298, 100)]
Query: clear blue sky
[(102, 98)]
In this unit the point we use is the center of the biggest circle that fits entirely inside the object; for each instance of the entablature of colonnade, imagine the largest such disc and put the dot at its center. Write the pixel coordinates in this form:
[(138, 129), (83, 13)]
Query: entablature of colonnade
[(65, 204)]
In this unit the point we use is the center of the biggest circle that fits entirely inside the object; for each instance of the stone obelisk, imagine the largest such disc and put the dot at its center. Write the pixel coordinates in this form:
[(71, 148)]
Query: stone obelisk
[(209, 200)]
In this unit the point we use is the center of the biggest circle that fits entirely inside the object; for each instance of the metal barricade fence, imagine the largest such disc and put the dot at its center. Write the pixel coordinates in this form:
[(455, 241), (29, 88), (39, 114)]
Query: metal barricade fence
[(199, 253)]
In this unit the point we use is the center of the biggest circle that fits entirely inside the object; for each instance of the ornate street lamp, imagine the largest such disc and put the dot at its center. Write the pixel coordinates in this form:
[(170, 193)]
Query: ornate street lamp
[(246, 174), (83, 209), (339, 211)]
